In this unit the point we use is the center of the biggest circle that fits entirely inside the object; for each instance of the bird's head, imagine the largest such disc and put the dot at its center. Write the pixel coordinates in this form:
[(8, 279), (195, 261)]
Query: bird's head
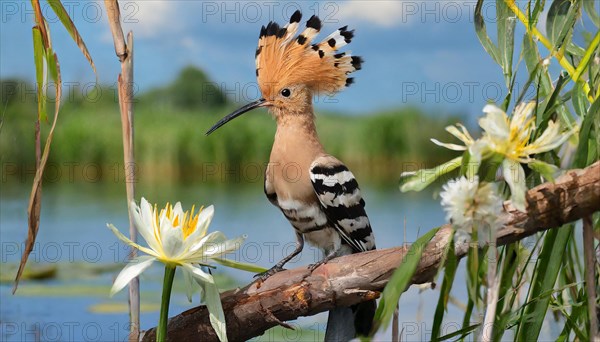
[(290, 70)]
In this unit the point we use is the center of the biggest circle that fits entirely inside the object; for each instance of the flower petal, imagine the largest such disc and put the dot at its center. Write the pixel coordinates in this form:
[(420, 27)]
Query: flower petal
[(463, 136), (204, 219), (134, 268), (240, 265), (521, 115), (549, 140), (465, 131), (515, 177), (142, 218), (212, 298), (476, 152), (189, 283), (178, 212), (199, 275), (214, 247), (453, 147), (213, 237), (495, 122), (172, 241), (218, 249), (131, 243)]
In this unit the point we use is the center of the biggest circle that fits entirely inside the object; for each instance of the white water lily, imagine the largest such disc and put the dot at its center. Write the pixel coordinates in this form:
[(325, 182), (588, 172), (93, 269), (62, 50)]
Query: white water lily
[(468, 203), (178, 238), (510, 137)]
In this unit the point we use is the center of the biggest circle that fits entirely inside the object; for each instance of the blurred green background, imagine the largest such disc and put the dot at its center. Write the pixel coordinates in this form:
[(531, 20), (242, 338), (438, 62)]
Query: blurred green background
[(171, 146)]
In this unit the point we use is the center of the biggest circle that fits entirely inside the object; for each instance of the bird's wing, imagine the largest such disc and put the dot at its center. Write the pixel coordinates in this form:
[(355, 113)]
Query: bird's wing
[(340, 198), (268, 187)]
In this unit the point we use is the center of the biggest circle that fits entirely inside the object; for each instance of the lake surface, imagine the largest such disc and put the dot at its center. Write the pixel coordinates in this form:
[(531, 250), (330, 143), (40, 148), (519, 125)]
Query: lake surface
[(73, 237)]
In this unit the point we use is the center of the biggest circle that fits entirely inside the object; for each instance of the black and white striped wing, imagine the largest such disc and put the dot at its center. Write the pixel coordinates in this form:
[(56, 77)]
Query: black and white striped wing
[(340, 198)]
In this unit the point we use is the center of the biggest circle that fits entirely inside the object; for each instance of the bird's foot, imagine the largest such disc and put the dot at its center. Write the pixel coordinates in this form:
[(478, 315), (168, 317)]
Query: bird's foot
[(266, 274), (312, 267), (325, 260)]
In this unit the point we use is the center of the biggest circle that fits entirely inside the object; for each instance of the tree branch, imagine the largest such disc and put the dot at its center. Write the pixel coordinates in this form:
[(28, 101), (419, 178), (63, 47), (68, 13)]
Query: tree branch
[(355, 278)]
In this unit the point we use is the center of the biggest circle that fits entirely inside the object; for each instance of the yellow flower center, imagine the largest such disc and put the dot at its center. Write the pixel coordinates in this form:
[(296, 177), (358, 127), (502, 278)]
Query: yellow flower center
[(188, 222), (518, 139)]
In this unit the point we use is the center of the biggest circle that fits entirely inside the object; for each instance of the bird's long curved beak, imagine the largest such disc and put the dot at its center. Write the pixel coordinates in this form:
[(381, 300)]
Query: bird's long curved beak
[(244, 109)]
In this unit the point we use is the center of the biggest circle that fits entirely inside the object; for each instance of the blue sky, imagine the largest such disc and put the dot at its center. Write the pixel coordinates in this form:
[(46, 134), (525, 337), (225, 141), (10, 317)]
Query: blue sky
[(421, 53)]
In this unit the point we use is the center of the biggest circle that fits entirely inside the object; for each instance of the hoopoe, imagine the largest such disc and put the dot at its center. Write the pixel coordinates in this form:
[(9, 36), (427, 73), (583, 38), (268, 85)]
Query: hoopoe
[(324, 205)]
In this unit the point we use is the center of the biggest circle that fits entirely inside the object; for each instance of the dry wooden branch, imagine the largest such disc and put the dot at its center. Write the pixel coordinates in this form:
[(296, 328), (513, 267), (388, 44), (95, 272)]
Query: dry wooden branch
[(355, 278)]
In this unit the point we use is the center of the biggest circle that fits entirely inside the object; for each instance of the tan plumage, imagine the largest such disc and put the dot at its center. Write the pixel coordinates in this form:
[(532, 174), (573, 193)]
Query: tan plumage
[(315, 191), (284, 59)]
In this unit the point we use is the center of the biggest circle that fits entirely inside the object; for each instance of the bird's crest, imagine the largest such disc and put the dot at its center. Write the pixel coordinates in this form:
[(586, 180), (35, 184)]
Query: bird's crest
[(283, 59)]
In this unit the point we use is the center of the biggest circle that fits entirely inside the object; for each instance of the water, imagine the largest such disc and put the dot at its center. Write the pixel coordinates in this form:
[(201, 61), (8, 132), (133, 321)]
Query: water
[(73, 235)]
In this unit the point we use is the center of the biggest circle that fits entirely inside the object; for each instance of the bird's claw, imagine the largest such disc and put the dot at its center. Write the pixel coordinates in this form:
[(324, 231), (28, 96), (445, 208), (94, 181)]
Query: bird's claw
[(314, 266), (266, 274)]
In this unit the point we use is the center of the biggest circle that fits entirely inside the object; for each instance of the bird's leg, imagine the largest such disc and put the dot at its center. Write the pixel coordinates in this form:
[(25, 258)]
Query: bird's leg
[(333, 254), (279, 266)]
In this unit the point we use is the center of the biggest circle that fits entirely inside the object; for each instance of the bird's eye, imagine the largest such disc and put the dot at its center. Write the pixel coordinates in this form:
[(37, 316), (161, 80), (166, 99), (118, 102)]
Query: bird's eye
[(286, 92)]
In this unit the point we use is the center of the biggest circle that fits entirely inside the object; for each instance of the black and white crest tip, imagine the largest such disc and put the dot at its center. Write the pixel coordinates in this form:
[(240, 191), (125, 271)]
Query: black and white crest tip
[(296, 17), (314, 22)]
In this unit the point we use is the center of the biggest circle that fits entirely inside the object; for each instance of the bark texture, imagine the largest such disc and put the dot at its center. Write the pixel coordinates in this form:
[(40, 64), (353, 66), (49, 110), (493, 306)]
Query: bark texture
[(355, 278)]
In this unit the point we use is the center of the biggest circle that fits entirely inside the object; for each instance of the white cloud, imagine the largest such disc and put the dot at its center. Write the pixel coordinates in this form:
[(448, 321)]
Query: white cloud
[(385, 13), (389, 13), (189, 42), (151, 18)]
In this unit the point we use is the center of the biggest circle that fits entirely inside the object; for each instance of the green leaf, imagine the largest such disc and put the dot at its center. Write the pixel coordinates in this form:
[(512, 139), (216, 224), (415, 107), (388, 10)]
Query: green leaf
[(38, 57), (62, 14), (549, 171), (544, 277), (532, 76), (240, 265), (34, 206), (552, 105), (399, 281), (581, 156), (460, 333), (579, 99), (587, 56), (537, 9), (506, 39), (560, 21), (533, 61), (592, 12), (509, 266), (54, 71), (419, 180), (52, 65), (572, 318), (449, 273), (481, 31)]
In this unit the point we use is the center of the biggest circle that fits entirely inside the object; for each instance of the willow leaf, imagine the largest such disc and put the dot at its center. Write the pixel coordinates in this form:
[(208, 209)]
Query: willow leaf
[(62, 14), (399, 281), (38, 57)]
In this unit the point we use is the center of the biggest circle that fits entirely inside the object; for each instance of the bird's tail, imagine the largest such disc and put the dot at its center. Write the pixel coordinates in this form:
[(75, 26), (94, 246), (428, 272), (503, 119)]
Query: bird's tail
[(346, 323)]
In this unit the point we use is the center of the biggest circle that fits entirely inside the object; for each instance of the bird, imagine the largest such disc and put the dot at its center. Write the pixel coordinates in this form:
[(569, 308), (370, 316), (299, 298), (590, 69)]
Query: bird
[(323, 202)]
